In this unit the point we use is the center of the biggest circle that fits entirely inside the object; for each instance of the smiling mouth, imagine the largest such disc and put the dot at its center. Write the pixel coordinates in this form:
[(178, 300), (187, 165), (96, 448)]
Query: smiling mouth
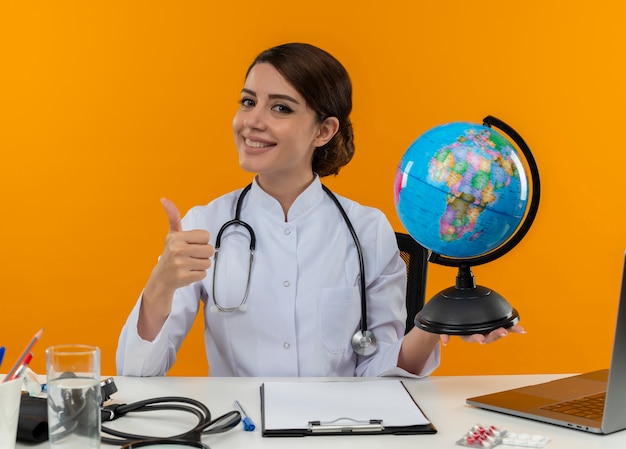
[(257, 144)]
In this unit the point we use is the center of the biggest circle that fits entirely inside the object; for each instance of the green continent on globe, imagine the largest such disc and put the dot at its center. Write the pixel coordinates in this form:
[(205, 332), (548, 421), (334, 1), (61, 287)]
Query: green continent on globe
[(474, 168)]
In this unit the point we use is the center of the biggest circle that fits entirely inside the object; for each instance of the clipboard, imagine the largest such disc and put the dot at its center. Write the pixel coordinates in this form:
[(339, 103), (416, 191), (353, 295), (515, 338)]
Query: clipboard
[(360, 407)]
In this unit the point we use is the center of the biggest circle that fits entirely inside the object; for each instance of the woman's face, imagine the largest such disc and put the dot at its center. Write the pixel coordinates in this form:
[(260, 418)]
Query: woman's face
[(275, 131)]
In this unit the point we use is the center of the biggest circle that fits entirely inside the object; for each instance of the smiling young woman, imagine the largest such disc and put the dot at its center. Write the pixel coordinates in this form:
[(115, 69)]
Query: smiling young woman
[(302, 272), (277, 133)]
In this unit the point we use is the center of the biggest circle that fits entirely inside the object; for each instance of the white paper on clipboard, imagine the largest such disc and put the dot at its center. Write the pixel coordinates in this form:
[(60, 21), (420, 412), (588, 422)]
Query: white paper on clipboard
[(293, 405)]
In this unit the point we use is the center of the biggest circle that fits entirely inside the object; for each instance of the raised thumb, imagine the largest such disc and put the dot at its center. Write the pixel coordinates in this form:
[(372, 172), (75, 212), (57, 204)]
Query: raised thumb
[(172, 215)]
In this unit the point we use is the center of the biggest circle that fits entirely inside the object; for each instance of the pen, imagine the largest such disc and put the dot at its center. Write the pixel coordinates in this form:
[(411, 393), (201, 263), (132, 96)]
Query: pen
[(247, 423), (2, 349), (19, 372), (22, 357)]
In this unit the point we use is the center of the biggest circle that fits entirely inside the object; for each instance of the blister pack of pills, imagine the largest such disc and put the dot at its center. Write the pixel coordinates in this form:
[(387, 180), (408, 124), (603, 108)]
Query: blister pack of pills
[(482, 436), (525, 440), (489, 436)]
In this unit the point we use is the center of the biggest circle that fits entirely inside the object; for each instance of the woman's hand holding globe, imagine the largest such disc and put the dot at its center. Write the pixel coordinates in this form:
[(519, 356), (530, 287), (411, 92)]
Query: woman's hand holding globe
[(489, 338)]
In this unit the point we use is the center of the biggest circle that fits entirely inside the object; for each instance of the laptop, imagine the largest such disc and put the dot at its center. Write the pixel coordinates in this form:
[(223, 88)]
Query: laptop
[(562, 401)]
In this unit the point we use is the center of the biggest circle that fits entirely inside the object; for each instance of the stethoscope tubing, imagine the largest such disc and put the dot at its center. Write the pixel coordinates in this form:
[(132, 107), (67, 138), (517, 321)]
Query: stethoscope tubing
[(163, 441), (366, 337), (191, 437), (359, 251), (218, 242)]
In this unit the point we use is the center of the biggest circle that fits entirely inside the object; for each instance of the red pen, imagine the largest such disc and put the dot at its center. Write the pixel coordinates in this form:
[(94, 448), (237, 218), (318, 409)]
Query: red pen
[(20, 361), (20, 370)]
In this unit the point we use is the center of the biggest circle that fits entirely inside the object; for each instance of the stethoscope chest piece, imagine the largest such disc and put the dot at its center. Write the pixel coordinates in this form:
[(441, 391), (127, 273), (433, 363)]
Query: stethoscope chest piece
[(364, 342)]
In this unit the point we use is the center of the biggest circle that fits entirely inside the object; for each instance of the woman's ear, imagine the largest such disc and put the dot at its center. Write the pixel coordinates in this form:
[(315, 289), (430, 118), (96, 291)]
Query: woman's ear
[(327, 129)]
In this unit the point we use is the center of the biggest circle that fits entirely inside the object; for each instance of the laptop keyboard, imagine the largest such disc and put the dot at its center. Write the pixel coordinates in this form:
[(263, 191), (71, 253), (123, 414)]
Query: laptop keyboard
[(590, 407)]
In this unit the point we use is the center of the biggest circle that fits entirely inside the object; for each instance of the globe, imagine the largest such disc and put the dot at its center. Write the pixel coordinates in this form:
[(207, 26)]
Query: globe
[(461, 190), (466, 193)]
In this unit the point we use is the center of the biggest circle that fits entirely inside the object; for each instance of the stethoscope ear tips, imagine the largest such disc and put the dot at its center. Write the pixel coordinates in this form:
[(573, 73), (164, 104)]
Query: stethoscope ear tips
[(364, 342)]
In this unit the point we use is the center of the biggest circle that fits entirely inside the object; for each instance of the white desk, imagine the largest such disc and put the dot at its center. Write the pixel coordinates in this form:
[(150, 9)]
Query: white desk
[(441, 398)]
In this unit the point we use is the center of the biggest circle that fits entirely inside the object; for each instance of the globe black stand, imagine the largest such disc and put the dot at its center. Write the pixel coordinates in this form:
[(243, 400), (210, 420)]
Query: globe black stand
[(467, 308)]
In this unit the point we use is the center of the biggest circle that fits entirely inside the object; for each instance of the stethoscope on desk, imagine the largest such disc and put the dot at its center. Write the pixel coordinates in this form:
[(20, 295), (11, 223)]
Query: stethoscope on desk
[(191, 438), (72, 409), (363, 341)]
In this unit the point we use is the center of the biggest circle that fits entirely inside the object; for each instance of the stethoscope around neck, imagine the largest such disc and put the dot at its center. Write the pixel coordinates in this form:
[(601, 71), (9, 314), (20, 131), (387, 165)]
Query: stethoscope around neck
[(363, 341)]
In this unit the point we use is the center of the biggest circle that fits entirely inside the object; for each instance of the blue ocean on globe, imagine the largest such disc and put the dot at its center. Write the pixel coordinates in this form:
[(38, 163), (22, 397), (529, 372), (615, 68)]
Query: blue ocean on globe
[(461, 190)]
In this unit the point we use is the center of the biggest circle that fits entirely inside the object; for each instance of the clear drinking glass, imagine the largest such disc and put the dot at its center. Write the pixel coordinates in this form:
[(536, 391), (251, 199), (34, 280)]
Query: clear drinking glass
[(74, 396)]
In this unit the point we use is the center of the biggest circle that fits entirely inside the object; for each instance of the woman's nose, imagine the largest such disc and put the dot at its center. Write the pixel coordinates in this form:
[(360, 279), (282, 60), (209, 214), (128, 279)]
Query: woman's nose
[(254, 118)]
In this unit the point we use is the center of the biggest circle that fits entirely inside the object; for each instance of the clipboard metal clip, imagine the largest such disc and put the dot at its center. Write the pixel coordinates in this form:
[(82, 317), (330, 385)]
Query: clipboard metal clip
[(346, 425)]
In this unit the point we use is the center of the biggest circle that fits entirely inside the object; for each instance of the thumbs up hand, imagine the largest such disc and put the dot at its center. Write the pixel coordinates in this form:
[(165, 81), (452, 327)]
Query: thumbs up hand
[(184, 260), (186, 255)]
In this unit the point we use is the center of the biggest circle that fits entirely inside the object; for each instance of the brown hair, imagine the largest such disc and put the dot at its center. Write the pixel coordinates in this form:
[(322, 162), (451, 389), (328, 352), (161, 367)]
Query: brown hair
[(326, 87)]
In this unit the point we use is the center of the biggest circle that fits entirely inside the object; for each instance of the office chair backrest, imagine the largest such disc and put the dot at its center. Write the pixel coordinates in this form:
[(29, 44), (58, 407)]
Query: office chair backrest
[(415, 257)]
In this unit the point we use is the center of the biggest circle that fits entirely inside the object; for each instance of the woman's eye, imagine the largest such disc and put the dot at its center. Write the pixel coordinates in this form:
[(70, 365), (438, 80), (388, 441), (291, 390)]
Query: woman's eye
[(246, 102), (282, 109)]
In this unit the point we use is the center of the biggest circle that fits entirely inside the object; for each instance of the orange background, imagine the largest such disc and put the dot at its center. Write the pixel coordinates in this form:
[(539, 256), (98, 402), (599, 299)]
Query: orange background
[(107, 106)]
